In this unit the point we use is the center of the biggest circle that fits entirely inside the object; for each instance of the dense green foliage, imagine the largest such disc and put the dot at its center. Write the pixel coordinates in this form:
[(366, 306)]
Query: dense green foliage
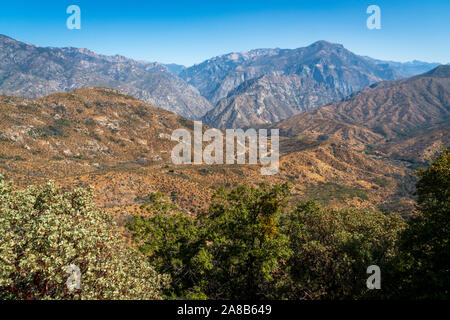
[(212, 255), (246, 252), (44, 230), (333, 248), (251, 245), (171, 240), (425, 246)]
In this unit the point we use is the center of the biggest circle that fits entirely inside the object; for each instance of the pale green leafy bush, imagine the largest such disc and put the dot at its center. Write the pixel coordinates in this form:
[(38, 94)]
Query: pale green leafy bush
[(45, 229)]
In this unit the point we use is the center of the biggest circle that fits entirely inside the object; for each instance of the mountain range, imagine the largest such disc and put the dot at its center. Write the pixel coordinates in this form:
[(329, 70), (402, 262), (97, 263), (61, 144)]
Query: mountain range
[(352, 129), (269, 85), (259, 87), (31, 71)]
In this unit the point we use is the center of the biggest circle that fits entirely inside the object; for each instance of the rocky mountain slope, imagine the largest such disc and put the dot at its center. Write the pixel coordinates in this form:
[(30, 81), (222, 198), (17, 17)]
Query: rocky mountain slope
[(216, 77), (387, 112), (175, 68), (420, 146), (30, 71), (269, 99), (249, 87)]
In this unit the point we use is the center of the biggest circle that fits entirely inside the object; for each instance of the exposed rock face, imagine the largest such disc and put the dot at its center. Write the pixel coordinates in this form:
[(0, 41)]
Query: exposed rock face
[(175, 68), (216, 77), (268, 85), (269, 99), (30, 71)]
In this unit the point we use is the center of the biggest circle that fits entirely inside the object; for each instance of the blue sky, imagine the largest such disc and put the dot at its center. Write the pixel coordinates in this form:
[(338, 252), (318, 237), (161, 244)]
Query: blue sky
[(188, 32)]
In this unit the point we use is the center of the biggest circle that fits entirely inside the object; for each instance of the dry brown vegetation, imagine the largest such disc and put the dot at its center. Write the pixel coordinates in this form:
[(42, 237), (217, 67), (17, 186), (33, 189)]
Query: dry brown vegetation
[(121, 146)]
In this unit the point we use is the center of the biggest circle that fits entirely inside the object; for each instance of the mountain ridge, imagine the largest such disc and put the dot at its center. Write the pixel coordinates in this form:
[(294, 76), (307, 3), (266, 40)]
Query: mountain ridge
[(282, 77), (386, 112), (30, 71), (409, 68), (273, 60)]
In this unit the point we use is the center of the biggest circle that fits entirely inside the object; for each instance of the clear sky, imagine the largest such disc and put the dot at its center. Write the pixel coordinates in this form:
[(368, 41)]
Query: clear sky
[(188, 32)]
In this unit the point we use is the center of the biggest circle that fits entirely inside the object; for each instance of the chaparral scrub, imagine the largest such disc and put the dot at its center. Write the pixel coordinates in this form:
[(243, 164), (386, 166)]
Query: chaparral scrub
[(45, 229)]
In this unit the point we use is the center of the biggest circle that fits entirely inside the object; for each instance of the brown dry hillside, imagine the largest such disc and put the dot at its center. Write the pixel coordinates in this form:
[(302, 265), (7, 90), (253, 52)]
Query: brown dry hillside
[(332, 174), (384, 111), (86, 129), (121, 146), (420, 146)]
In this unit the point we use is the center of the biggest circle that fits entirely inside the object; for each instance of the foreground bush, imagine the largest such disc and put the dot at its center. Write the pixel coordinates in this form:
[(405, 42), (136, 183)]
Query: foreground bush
[(171, 240), (333, 249), (44, 230), (233, 251), (251, 245), (424, 262), (244, 249)]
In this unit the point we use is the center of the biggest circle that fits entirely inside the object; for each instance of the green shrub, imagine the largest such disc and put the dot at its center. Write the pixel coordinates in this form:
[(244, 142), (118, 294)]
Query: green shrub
[(250, 244), (233, 251), (245, 251), (333, 248), (424, 263), (170, 239), (45, 229)]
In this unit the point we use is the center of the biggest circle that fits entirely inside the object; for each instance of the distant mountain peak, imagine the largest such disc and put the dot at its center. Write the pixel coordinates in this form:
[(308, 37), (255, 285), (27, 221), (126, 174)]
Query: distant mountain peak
[(325, 44), (4, 37)]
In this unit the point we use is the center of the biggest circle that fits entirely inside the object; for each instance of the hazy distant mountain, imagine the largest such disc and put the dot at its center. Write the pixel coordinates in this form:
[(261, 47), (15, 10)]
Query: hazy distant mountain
[(407, 69), (383, 112), (419, 146), (175, 68), (30, 71), (269, 85)]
